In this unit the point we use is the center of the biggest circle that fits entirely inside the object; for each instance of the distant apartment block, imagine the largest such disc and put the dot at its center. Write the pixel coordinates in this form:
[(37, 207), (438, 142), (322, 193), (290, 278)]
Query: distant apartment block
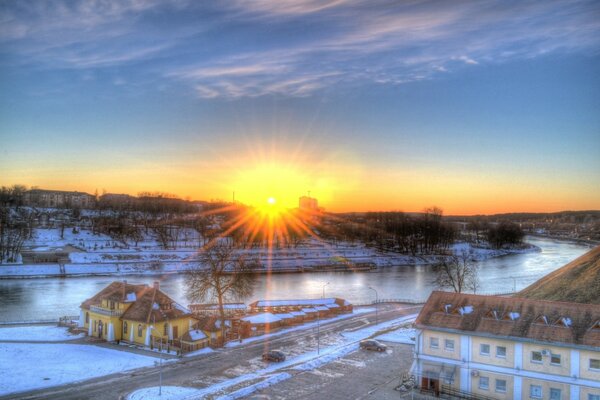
[(308, 203), (508, 348), (58, 199)]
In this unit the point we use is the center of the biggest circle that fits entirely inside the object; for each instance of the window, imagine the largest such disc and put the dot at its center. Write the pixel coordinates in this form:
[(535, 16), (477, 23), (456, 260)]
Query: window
[(594, 364), (95, 323), (112, 305), (536, 357), (434, 343), (166, 330), (139, 330), (501, 352), (593, 396), (125, 327), (484, 349), (449, 345), (87, 317), (555, 359), (535, 392), (555, 394), (500, 385), (484, 382)]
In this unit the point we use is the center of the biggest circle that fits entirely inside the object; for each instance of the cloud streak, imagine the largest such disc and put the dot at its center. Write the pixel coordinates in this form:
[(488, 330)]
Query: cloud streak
[(292, 48)]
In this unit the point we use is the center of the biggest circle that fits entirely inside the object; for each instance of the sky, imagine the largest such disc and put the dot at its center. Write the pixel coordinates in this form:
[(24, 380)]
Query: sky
[(477, 107)]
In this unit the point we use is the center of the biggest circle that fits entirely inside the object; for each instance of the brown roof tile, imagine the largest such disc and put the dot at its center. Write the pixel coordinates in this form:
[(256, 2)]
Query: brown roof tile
[(570, 323)]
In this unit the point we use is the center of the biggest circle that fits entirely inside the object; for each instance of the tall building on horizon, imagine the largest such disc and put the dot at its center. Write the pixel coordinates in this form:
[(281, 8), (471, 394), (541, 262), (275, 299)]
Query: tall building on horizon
[(308, 203)]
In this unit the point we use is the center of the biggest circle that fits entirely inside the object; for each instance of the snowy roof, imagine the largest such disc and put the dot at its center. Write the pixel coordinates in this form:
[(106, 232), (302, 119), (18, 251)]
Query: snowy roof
[(309, 310), (263, 318), (298, 313), (465, 310), (181, 308), (197, 335), (283, 303), (321, 308), (285, 316), (332, 305)]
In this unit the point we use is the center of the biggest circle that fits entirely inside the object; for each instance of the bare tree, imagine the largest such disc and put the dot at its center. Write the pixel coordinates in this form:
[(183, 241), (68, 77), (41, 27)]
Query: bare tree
[(457, 272), (223, 275)]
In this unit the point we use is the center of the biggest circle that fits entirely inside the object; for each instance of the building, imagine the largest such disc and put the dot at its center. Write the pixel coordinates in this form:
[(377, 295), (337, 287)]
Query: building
[(231, 310), (138, 314), (335, 305), (508, 348), (58, 199), (308, 203)]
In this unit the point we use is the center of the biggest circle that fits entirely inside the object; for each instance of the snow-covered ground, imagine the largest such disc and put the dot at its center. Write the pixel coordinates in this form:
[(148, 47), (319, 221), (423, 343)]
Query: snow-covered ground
[(269, 376), (300, 327), (36, 334), (400, 335), (101, 255), (28, 366)]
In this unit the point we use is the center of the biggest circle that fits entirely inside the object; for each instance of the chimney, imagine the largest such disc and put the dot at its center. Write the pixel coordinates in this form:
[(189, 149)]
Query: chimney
[(124, 288), (157, 285)]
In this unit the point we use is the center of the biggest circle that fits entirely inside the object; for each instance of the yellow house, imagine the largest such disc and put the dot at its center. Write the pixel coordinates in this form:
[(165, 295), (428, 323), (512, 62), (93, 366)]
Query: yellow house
[(137, 314), (507, 348)]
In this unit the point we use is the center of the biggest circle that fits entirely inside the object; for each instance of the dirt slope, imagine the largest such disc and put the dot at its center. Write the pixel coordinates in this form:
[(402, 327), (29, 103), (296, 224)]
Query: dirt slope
[(578, 281)]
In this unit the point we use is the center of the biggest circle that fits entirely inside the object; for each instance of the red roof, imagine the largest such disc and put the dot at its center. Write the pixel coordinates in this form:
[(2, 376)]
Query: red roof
[(539, 320)]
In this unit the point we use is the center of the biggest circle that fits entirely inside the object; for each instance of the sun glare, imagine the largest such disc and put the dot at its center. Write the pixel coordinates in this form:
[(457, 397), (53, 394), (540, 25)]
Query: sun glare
[(271, 201)]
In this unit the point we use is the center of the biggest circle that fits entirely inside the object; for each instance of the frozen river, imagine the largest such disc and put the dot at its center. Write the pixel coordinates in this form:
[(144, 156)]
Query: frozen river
[(47, 298)]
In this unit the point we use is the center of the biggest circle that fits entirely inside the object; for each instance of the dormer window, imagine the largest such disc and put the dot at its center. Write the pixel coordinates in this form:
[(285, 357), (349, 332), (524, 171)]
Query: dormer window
[(513, 316), (447, 308), (465, 310), (596, 326), (542, 319), (564, 321)]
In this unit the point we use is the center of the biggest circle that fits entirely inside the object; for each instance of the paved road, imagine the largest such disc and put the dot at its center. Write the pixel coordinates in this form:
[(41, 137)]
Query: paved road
[(207, 369)]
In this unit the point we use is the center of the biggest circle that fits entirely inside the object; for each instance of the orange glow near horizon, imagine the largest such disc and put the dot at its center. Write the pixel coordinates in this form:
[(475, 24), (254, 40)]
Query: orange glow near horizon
[(274, 180)]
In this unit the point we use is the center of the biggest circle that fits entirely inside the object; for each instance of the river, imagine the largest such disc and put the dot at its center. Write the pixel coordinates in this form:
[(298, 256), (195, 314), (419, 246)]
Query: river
[(48, 298)]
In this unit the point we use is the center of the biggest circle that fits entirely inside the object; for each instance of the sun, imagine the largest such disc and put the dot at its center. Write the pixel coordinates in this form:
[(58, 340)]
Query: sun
[(271, 201)]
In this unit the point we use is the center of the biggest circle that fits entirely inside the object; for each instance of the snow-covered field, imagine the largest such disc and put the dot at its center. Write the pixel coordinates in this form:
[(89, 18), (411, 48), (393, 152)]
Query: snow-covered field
[(36, 334), (28, 366)]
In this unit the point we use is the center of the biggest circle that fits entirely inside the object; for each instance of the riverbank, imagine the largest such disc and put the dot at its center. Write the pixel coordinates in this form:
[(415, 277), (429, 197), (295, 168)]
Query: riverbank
[(301, 260)]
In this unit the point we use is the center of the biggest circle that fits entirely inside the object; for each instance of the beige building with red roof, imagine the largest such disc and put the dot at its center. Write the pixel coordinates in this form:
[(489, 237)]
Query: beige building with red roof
[(496, 347), (139, 314)]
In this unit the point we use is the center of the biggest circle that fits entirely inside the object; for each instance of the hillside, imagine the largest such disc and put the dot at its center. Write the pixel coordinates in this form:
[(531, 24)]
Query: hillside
[(578, 281)]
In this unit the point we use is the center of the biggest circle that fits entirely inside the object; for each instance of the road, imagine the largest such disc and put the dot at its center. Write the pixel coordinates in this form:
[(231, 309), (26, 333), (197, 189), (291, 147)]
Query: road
[(204, 370)]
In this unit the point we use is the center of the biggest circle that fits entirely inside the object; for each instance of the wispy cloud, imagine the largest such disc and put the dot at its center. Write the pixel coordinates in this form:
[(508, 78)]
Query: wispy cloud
[(294, 48)]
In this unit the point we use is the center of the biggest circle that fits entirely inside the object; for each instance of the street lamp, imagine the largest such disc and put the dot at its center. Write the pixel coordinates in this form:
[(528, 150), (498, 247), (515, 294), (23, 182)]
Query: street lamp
[(160, 364), (323, 295), (514, 284), (376, 305)]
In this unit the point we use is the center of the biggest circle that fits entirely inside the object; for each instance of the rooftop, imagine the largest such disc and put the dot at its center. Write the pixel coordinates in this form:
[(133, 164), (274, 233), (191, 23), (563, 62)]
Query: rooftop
[(538, 320)]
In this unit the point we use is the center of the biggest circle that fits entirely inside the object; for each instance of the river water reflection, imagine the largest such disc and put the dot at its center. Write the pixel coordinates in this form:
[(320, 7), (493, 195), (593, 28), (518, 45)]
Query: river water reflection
[(32, 299)]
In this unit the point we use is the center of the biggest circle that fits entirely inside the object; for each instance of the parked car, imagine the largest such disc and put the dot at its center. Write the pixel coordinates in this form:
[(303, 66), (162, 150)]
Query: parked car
[(273, 355), (371, 344)]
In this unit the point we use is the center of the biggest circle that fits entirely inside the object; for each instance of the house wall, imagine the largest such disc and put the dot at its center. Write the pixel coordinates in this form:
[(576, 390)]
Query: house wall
[(441, 351), (565, 389), (491, 391), (584, 365), (585, 391), (545, 366), (492, 359), (106, 320)]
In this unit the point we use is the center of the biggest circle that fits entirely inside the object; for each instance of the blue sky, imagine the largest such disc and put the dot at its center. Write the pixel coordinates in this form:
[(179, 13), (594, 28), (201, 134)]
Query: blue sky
[(171, 96)]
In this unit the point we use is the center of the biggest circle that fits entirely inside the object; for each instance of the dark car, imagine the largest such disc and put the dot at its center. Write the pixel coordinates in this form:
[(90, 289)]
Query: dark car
[(371, 344), (273, 355)]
